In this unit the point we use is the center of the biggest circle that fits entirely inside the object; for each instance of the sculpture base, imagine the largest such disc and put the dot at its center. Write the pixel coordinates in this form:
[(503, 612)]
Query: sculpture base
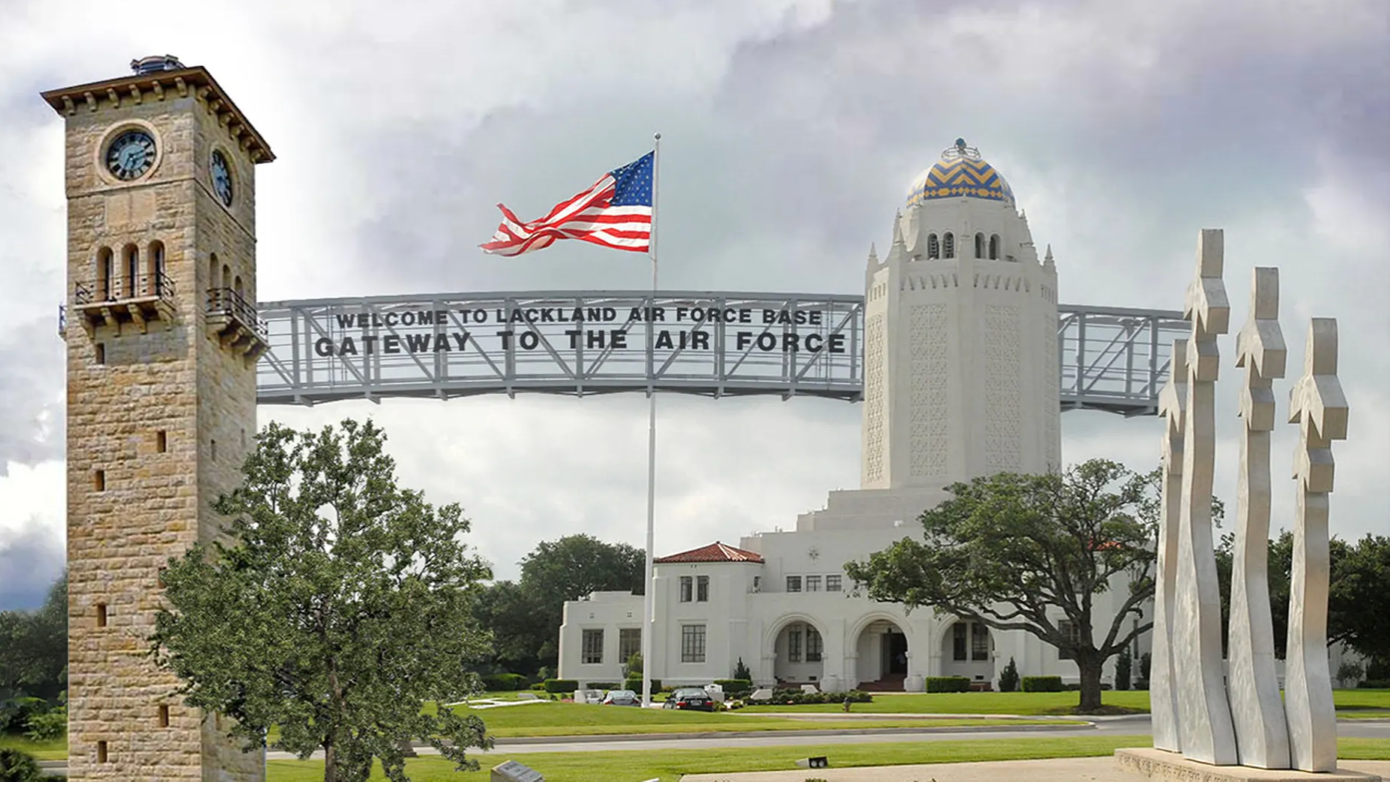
[(1170, 767)]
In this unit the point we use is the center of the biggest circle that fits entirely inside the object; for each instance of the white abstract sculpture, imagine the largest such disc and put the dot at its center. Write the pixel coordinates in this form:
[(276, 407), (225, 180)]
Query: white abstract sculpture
[(1257, 710), (1163, 700), (1319, 407), (1204, 716)]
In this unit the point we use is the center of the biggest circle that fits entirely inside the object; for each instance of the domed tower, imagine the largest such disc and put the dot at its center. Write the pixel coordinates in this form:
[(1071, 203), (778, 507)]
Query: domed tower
[(961, 366)]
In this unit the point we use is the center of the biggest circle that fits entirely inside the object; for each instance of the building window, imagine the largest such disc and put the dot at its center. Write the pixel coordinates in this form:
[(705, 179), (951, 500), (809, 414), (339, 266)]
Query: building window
[(593, 646), (958, 641), (702, 588), (979, 642), (794, 645), (1071, 634), (949, 242), (979, 245), (994, 247), (161, 441), (813, 644), (812, 584), (933, 247), (757, 583), (832, 582), (164, 715), (132, 271), (692, 644), (629, 642), (793, 584), (156, 255), (99, 480), (101, 615), (214, 449), (101, 353), (101, 751), (106, 271), (687, 583)]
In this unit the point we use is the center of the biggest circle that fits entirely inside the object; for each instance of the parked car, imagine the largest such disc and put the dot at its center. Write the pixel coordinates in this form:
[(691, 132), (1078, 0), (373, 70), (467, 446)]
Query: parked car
[(690, 699), (621, 697)]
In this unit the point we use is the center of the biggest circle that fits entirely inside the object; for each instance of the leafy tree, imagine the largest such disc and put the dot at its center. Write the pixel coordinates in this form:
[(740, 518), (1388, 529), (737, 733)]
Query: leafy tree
[(1124, 669), (1023, 552), (634, 666), (742, 672), (1008, 679), (34, 649), (525, 617), (338, 605)]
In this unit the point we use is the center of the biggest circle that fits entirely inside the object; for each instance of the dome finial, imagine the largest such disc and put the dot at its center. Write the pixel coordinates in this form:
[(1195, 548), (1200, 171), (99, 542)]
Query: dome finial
[(960, 144)]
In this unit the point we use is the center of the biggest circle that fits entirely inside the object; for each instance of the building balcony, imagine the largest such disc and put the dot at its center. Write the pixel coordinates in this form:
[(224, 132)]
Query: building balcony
[(236, 323), (117, 302)]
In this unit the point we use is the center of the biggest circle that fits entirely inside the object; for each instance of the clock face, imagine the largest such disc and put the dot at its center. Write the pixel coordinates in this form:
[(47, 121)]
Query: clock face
[(221, 178), (131, 155)]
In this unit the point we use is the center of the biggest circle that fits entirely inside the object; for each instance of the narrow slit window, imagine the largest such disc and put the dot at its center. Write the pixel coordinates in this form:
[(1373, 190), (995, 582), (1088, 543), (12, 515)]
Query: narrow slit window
[(99, 480), (101, 615), (161, 441), (101, 353), (164, 715), (214, 449), (101, 751)]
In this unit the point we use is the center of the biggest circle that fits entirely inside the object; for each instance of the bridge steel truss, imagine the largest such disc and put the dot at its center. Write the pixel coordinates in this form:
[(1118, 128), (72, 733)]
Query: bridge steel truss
[(1111, 359)]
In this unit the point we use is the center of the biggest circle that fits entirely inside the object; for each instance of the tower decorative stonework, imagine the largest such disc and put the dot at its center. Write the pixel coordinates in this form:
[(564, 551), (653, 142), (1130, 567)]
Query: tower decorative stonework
[(961, 363), (162, 337)]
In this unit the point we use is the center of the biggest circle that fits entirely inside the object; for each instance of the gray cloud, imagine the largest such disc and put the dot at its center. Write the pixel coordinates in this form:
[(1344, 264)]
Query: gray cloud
[(31, 559), (31, 393)]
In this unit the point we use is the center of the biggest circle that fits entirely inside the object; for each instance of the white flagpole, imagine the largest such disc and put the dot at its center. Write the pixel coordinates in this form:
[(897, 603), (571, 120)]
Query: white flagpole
[(648, 595)]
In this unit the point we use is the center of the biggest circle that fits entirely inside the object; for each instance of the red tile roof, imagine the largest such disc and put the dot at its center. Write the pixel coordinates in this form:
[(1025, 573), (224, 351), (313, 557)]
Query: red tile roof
[(714, 552)]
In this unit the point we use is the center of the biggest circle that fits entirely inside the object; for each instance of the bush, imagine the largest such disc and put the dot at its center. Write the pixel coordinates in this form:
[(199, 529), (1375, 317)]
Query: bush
[(947, 685), (1032, 683), (604, 686), (16, 766), (735, 686), (634, 665), (742, 672), (538, 686), (798, 697), (1145, 664), (1124, 670), (1008, 679), (635, 684), (1374, 683), (48, 726), (557, 686), (506, 681)]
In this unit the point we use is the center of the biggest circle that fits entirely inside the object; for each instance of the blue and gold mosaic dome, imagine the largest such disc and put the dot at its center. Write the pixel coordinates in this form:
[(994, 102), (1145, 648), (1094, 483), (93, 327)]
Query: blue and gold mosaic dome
[(961, 172)]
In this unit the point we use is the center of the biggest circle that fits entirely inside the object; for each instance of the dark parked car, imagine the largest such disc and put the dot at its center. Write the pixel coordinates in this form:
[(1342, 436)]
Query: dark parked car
[(690, 699)]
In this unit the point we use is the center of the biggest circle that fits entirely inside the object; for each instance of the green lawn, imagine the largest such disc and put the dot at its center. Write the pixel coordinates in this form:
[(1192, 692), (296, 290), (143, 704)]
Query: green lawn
[(42, 750), (670, 765), (559, 719)]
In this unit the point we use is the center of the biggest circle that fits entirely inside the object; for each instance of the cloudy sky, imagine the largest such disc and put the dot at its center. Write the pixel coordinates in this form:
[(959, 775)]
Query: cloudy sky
[(791, 131)]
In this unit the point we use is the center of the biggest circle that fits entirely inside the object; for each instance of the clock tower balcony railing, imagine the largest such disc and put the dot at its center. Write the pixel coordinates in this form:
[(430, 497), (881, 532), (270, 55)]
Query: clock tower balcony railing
[(119, 301), (236, 323)]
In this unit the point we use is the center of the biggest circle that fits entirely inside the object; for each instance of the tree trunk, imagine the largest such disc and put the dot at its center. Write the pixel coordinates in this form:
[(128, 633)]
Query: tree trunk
[(1090, 667), (330, 766)]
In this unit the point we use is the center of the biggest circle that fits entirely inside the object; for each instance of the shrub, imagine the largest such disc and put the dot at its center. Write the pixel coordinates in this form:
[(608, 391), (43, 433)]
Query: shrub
[(634, 665), (48, 726), (1008, 679), (16, 766), (635, 684), (506, 681), (557, 686), (1033, 683), (1374, 683), (1145, 664), (735, 686), (742, 672), (603, 686), (798, 697), (947, 685), (1124, 670), (538, 686)]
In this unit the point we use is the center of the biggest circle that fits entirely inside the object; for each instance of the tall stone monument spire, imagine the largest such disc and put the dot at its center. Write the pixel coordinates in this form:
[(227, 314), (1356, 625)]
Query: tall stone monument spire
[(162, 336)]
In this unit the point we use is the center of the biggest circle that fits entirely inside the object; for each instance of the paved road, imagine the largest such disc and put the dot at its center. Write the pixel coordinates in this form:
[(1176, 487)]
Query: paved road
[(1121, 725)]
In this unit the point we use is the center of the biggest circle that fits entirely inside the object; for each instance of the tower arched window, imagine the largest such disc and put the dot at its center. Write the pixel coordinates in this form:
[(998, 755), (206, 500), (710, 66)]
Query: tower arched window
[(106, 271), (994, 247), (131, 271), (155, 284), (979, 245), (237, 287), (933, 247), (226, 277), (949, 243), (214, 273)]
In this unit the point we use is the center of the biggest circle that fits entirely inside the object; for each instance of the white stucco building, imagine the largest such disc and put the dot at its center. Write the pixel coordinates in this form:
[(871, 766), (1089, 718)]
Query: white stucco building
[(961, 380)]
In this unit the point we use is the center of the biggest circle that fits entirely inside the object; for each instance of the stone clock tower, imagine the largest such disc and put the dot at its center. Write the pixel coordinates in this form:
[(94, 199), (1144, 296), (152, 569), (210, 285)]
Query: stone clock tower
[(162, 337)]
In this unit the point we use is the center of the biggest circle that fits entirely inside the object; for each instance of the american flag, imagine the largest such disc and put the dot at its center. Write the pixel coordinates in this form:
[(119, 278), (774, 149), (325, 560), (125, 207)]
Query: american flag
[(615, 212)]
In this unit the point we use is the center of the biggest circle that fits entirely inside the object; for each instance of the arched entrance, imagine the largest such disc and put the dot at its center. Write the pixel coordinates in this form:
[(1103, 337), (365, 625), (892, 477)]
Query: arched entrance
[(967, 650), (799, 649), (882, 651)]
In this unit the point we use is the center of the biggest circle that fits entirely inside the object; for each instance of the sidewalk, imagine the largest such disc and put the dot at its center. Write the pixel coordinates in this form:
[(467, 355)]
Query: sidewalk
[(1068, 769)]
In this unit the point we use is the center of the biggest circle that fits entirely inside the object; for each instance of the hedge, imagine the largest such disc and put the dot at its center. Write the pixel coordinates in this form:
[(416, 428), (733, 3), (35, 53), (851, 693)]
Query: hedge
[(798, 697), (947, 685), (735, 685), (1378, 683), (635, 684), (506, 681), (604, 686), (1042, 683), (556, 686)]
